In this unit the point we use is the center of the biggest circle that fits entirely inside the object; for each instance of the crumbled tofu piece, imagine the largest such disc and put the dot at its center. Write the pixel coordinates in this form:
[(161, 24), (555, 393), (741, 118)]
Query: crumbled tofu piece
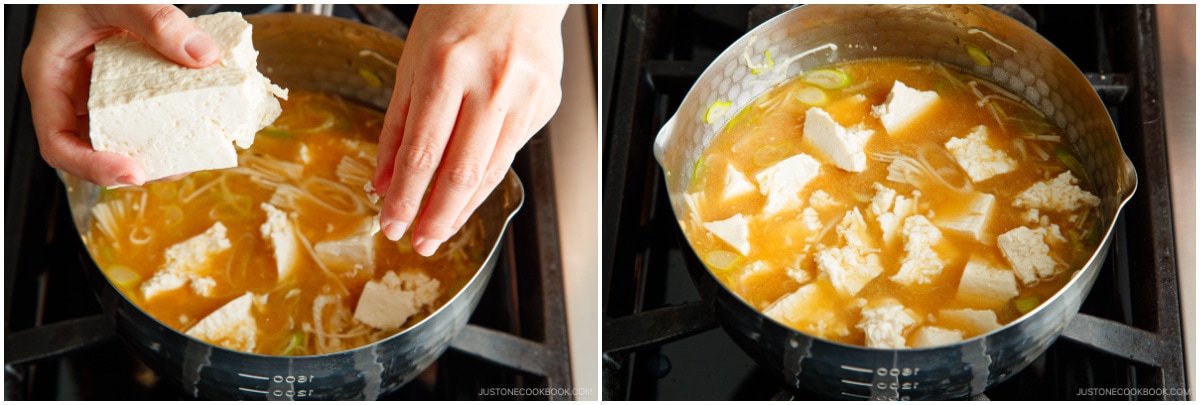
[(733, 230), (821, 200), (783, 182), (884, 324), (388, 303), (920, 262), (1031, 215), (903, 105), (185, 262), (370, 190), (804, 309), (853, 230), (173, 119), (930, 336), (1028, 253), (975, 156), (984, 285), (305, 154), (843, 146), (973, 220), (890, 210), (1060, 194), (355, 251), (282, 234), (812, 220), (975, 321), (231, 326), (849, 270), (736, 183)]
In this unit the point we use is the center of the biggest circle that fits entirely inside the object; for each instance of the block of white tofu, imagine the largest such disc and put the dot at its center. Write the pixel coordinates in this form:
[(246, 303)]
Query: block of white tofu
[(973, 321), (388, 303), (783, 182), (733, 230), (931, 336), (884, 324), (173, 119), (972, 219), (920, 264), (1026, 250), (902, 107), (805, 309), (843, 146), (890, 210), (982, 284), (975, 156), (736, 183), (354, 252), (1060, 194), (821, 200), (231, 326), (282, 234), (188, 261)]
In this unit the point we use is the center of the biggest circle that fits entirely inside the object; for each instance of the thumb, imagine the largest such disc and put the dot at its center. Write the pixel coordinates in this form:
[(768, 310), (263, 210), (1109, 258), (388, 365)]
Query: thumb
[(168, 30)]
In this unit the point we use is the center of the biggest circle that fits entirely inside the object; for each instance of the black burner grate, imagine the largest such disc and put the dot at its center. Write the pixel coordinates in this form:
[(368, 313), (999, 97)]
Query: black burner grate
[(660, 342)]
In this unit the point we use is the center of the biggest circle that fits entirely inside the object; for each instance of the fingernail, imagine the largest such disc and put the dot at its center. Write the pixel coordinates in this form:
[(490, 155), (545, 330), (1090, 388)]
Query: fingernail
[(395, 230), (129, 180), (426, 247), (201, 49)]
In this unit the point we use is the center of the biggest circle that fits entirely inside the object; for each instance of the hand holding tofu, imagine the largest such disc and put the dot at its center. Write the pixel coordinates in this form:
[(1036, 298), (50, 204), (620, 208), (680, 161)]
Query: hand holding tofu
[(56, 71)]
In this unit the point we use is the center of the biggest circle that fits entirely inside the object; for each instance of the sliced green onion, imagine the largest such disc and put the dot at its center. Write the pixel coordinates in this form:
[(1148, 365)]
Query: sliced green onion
[(370, 77), (1026, 304), (295, 344), (278, 133), (716, 111), (769, 155), (979, 56), (1069, 160), (123, 277), (697, 169), (768, 63), (811, 96), (720, 259), (827, 78)]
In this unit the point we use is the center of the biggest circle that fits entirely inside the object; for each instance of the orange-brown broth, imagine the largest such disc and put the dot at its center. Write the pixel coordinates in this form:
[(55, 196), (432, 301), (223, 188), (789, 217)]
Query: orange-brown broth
[(249, 265), (778, 240)]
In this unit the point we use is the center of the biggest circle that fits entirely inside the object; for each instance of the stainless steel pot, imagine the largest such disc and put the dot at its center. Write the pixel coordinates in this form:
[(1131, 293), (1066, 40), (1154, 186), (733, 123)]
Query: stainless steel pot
[(357, 62), (1023, 62)]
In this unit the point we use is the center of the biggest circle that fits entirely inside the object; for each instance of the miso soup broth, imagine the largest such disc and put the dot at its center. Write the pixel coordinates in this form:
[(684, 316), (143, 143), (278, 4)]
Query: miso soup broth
[(277, 255), (891, 203)]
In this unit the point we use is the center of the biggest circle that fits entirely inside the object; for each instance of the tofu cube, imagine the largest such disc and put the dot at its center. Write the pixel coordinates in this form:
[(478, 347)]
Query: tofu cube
[(844, 147), (920, 263), (186, 262), (355, 252), (1026, 250), (979, 160), (231, 326), (973, 321), (804, 309), (282, 234), (930, 336), (903, 106), (173, 119), (1060, 194), (884, 324), (736, 183), (982, 284), (387, 304), (972, 220), (733, 230), (783, 182)]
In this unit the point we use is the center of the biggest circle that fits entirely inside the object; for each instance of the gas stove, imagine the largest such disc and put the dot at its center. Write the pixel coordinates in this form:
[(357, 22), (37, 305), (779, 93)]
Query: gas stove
[(661, 342), (58, 344)]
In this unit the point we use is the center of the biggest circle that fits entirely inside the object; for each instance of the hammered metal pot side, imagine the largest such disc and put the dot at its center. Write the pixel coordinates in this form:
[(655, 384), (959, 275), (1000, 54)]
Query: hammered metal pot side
[(1024, 64), (357, 62)]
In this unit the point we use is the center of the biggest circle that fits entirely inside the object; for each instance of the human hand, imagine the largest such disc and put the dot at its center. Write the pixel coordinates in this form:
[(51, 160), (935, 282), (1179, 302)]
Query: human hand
[(57, 70), (474, 83)]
